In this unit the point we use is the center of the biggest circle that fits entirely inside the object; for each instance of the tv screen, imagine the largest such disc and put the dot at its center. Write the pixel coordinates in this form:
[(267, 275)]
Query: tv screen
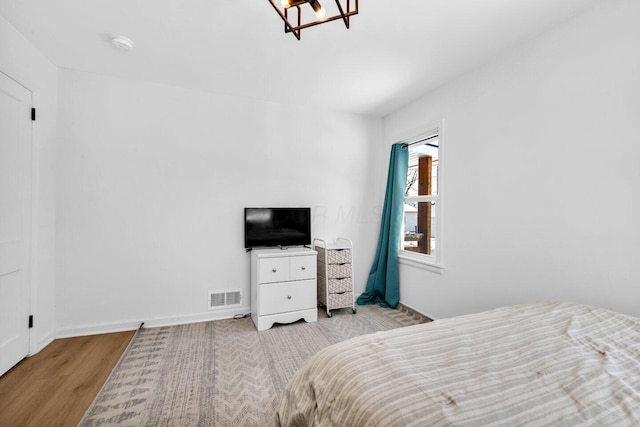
[(277, 227)]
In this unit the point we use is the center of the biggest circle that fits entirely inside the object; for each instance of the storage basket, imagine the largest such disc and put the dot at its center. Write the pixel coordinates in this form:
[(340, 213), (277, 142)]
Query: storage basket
[(335, 285), (341, 300), (337, 271), (335, 256)]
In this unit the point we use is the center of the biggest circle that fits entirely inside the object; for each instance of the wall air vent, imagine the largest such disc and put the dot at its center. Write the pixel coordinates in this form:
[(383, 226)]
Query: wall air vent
[(225, 298)]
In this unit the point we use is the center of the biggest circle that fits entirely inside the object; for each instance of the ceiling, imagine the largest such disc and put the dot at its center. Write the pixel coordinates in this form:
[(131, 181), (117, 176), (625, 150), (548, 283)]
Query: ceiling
[(394, 52)]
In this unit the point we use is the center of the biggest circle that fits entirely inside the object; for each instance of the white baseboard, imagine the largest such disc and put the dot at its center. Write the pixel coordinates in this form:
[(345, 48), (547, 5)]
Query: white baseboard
[(42, 343), (130, 325)]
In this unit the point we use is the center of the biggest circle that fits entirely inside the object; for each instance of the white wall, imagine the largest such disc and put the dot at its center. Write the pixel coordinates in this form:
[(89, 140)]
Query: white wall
[(23, 63), (153, 181), (542, 174)]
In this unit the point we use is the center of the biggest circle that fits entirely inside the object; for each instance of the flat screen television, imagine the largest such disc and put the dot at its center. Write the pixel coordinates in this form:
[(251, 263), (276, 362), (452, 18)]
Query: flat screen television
[(277, 227)]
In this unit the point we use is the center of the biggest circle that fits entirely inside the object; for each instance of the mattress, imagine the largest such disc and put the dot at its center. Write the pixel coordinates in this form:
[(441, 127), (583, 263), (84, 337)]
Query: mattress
[(548, 363)]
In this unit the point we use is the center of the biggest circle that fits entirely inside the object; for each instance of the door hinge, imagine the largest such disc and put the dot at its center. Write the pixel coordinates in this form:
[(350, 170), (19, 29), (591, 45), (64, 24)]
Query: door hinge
[(31, 321), (33, 114)]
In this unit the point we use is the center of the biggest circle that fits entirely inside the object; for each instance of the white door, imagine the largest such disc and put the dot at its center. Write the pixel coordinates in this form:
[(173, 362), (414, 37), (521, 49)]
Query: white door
[(15, 221)]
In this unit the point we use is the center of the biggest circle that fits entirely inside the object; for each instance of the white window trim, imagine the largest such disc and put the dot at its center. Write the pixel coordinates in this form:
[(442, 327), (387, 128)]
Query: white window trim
[(423, 198), (425, 262), (421, 261)]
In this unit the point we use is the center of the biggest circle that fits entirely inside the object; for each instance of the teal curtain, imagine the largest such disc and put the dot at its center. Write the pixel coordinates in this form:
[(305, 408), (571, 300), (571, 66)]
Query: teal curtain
[(383, 285)]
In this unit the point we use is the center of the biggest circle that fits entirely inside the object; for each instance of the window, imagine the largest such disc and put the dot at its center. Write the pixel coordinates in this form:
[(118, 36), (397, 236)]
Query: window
[(422, 237)]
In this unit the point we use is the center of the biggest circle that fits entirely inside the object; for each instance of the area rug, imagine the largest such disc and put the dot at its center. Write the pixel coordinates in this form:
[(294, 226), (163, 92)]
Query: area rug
[(224, 372)]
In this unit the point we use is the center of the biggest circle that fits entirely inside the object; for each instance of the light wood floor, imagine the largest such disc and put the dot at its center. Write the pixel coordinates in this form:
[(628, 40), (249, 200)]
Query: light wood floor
[(56, 386)]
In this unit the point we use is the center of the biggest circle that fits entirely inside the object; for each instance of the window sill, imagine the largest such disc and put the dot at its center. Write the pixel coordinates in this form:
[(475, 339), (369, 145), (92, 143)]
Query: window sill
[(421, 262)]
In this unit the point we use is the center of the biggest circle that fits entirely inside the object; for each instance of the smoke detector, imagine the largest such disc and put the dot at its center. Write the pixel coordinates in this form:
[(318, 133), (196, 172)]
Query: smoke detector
[(122, 43)]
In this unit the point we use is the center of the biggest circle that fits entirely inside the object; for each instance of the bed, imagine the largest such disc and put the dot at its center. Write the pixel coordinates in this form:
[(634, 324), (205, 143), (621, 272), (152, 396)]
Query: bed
[(548, 363)]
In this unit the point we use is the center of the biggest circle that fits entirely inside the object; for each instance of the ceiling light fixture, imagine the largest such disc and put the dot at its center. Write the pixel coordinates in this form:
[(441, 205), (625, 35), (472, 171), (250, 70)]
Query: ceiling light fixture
[(294, 5), (122, 43)]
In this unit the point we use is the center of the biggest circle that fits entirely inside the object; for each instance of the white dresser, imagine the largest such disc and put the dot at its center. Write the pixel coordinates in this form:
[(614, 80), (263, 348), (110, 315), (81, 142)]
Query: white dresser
[(283, 286)]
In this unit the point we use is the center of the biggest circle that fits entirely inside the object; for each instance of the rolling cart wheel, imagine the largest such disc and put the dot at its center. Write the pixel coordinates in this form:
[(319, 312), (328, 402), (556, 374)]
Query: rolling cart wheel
[(329, 314), (354, 310)]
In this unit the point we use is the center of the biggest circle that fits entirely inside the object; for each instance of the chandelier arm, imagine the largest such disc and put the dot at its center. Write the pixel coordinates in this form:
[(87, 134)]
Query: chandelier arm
[(345, 18), (287, 24), (297, 29), (322, 21)]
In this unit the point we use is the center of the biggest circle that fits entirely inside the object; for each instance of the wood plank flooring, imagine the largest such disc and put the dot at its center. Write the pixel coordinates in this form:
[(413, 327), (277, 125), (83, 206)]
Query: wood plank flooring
[(56, 386)]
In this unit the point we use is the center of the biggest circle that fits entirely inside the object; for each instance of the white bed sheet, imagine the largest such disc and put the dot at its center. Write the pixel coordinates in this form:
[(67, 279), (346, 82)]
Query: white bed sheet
[(549, 363)]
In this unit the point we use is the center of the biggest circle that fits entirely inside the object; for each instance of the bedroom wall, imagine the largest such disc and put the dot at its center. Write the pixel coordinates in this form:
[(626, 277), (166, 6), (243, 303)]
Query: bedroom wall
[(153, 180), (542, 180), (25, 64)]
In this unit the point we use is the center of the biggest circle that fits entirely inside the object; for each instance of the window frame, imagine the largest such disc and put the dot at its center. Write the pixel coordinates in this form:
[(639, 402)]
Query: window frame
[(426, 262)]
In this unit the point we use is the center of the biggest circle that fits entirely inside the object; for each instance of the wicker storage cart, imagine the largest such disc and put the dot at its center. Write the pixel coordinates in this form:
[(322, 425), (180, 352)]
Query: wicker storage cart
[(335, 274)]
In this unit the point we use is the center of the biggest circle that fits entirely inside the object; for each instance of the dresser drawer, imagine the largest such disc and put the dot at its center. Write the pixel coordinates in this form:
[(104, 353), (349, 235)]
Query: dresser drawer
[(273, 270), (302, 267), (288, 296)]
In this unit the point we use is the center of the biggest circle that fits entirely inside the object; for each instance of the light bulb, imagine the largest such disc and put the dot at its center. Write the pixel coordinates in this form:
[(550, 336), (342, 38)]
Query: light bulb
[(317, 8), (285, 3)]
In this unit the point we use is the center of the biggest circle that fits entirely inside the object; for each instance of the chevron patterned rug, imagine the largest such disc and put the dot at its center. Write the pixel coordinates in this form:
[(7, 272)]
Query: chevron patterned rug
[(224, 372)]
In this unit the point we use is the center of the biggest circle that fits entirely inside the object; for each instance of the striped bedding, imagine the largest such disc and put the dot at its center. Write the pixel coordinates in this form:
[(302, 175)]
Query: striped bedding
[(557, 364)]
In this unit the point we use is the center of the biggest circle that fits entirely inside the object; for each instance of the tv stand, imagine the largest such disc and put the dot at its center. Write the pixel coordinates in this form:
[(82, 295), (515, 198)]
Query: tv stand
[(283, 286)]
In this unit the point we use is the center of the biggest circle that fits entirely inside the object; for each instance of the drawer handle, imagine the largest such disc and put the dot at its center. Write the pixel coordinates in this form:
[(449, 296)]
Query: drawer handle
[(288, 296), (274, 270), (304, 268), (340, 293)]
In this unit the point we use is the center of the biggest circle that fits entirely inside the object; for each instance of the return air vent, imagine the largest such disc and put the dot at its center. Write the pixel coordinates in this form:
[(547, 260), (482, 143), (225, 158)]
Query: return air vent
[(224, 298)]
